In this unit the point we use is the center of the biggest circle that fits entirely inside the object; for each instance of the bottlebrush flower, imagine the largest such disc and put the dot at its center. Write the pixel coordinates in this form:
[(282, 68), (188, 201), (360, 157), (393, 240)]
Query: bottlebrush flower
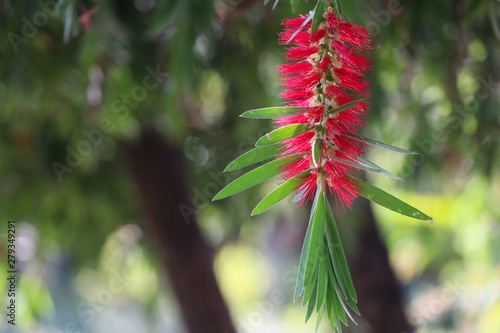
[(324, 72), (315, 150)]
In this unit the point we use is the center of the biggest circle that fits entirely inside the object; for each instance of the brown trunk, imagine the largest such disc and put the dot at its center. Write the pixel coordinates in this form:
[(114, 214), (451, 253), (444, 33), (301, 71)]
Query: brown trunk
[(379, 294), (187, 257)]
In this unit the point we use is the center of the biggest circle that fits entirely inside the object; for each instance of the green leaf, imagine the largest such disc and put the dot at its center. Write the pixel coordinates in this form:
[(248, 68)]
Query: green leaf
[(255, 155), (338, 258), (309, 289), (299, 195), (322, 278), (344, 307), (311, 303), (317, 149), (380, 170), (348, 300), (282, 133), (333, 307), (367, 165), (345, 106), (299, 287), (339, 9), (317, 238), (389, 201), (252, 178), (318, 14), (338, 306), (309, 18), (280, 193), (272, 112), (381, 145), (320, 316)]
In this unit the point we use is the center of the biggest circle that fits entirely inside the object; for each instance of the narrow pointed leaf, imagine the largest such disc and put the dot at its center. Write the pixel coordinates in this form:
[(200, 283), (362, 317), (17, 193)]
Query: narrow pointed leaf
[(337, 269), (317, 148), (333, 308), (380, 171), (311, 303), (310, 288), (344, 307), (272, 112), (299, 287), (345, 106), (299, 195), (258, 154), (339, 263), (342, 298), (320, 316), (389, 201), (309, 18), (282, 133), (252, 178), (381, 145), (322, 278), (318, 14), (339, 9), (280, 193), (317, 239), (338, 306), (367, 165)]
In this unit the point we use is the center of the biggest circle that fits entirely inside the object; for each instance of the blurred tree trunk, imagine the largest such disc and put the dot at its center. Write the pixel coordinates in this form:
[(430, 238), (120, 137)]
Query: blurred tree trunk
[(379, 293), (187, 257)]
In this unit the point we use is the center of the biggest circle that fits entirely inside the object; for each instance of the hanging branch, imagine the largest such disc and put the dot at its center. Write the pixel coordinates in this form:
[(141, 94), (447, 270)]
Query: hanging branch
[(315, 150)]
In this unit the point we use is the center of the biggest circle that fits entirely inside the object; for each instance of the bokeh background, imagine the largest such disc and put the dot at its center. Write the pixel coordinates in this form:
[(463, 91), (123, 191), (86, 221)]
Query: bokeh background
[(118, 117)]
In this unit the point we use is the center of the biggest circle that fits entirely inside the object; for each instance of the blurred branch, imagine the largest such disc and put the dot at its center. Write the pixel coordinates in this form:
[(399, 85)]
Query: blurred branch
[(187, 257), (379, 292)]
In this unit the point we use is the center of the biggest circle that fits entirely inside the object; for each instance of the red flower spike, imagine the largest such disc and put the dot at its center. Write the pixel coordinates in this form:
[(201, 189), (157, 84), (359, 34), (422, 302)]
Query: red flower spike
[(323, 77), (325, 71)]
